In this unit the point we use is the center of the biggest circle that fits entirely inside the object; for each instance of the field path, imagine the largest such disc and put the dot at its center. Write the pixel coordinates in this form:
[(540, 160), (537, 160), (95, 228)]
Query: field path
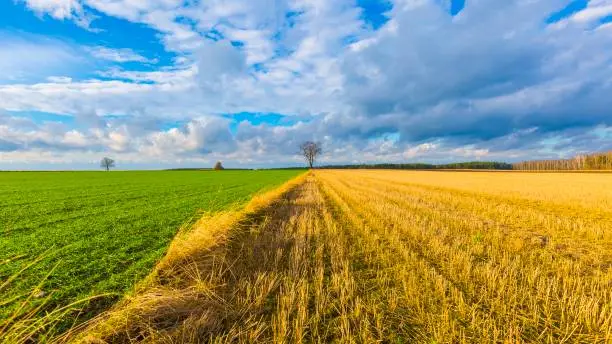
[(289, 274), (349, 257)]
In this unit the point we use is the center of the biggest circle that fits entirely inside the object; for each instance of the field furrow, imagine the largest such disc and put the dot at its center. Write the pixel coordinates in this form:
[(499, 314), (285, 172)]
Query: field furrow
[(517, 286), (376, 257), (346, 257)]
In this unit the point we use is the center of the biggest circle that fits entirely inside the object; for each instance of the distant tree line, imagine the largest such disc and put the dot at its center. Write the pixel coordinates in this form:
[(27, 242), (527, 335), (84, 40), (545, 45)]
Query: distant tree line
[(470, 165), (206, 169), (382, 166), (595, 161), (477, 165)]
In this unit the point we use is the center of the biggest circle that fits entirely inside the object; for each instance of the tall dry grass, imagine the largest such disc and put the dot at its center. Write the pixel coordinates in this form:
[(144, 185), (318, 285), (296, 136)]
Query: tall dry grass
[(26, 322), (390, 257)]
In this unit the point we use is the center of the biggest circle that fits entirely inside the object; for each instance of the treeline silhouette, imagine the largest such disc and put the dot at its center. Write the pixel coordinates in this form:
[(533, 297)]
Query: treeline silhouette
[(470, 165), (584, 162), (595, 161)]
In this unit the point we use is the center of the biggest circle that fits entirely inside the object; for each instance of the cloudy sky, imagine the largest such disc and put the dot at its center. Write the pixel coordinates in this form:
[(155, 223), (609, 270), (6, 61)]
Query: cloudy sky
[(169, 83)]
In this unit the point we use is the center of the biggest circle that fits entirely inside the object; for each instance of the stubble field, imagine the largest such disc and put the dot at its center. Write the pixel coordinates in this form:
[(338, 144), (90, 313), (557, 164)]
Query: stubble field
[(388, 256)]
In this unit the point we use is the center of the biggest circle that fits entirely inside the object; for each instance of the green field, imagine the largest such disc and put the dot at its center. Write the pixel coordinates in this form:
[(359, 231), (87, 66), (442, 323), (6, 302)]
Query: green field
[(100, 232)]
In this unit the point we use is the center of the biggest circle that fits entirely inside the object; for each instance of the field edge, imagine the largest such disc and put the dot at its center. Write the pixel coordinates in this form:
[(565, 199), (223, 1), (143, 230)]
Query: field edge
[(209, 231)]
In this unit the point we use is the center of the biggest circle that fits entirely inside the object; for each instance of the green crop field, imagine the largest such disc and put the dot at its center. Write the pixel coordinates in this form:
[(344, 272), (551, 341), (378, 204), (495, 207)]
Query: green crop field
[(65, 236)]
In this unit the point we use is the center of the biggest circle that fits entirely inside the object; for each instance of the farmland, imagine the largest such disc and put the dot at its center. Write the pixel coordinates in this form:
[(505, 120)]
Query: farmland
[(65, 236), (390, 256)]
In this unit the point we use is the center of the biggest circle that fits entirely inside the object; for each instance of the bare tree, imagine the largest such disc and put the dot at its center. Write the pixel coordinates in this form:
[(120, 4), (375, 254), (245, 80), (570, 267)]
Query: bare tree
[(594, 161), (107, 163), (310, 151)]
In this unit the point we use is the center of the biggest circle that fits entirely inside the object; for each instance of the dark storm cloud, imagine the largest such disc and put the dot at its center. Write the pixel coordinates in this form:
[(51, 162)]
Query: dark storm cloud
[(480, 77)]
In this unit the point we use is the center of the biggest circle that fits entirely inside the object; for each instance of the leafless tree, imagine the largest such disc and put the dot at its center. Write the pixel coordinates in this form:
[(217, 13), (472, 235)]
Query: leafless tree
[(107, 163), (310, 151), (594, 161)]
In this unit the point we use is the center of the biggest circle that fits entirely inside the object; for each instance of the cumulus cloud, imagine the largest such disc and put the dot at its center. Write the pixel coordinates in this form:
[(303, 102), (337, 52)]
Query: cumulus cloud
[(595, 10), (62, 10), (484, 74), (496, 81), (58, 9), (219, 61), (201, 136)]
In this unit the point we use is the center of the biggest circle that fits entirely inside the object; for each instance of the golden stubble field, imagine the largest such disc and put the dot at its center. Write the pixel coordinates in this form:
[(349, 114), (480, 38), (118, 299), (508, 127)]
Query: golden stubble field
[(393, 257)]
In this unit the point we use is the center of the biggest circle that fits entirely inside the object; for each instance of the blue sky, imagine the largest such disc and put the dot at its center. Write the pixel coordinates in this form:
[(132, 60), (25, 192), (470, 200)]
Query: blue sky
[(171, 83)]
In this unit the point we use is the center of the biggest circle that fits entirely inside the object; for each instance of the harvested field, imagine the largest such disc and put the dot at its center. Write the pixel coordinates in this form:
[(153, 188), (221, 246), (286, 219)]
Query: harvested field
[(387, 256)]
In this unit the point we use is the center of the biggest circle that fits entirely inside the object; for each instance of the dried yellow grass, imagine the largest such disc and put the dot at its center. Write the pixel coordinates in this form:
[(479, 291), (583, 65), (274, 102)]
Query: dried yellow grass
[(387, 256), (589, 190), (487, 257), (164, 286)]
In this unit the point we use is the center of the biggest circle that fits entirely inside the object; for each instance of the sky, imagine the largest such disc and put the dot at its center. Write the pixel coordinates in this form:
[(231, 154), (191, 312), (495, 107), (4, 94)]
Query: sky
[(184, 83)]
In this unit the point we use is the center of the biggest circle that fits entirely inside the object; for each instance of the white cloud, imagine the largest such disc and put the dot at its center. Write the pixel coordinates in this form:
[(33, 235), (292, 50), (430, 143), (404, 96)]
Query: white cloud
[(62, 10), (588, 17), (26, 57), (220, 61), (118, 55), (493, 79), (171, 76), (423, 149), (480, 75), (75, 138), (200, 137), (58, 9), (59, 79), (594, 11), (101, 97), (258, 45), (161, 15)]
